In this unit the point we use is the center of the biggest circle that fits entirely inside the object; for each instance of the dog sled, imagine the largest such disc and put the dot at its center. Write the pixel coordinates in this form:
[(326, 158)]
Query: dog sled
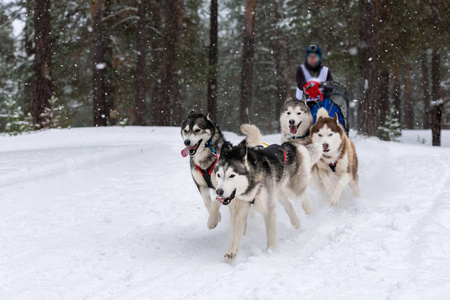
[(332, 96)]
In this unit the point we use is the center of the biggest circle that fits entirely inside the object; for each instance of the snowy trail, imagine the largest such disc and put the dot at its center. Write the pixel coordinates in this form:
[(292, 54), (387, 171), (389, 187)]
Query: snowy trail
[(112, 213)]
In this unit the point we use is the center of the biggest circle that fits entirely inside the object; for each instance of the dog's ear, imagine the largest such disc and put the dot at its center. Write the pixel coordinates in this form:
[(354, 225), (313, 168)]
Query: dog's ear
[(192, 113), (209, 118), (243, 148), (304, 100), (243, 153), (336, 117), (225, 147), (287, 100)]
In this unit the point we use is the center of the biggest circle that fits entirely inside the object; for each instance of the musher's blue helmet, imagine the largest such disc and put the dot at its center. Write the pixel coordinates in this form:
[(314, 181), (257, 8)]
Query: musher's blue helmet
[(313, 49)]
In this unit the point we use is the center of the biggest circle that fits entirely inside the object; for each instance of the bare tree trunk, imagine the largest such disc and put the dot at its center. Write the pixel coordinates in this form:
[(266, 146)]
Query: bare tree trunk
[(141, 67), (170, 40), (42, 88), (383, 18), (368, 113), (396, 92), (213, 59), (114, 113), (247, 61), (155, 65), (99, 65), (407, 108), (426, 91), (279, 65), (288, 66), (383, 91), (438, 101)]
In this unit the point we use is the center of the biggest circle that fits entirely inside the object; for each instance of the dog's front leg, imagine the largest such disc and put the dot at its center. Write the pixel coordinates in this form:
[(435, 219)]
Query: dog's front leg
[(212, 207), (214, 214), (343, 181), (328, 185), (206, 195), (239, 212)]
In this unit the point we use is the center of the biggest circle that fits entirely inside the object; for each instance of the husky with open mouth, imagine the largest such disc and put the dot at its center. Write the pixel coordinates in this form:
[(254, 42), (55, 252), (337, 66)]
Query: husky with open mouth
[(250, 174), (296, 121), (203, 139)]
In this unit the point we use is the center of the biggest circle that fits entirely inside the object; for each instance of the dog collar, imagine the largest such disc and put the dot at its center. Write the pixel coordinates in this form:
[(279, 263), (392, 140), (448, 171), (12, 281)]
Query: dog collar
[(288, 136), (208, 144)]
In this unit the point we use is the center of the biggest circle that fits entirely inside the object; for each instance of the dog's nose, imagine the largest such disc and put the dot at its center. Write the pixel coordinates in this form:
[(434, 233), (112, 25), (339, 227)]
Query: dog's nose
[(219, 192), (325, 146), (291, 122), (187, 142)]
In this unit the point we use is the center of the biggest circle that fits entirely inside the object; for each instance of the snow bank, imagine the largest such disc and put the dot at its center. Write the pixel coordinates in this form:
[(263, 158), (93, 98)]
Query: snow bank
[(112, 213)]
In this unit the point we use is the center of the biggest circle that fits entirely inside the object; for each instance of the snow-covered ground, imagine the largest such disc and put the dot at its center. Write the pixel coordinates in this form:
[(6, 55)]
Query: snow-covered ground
[(112, 213)]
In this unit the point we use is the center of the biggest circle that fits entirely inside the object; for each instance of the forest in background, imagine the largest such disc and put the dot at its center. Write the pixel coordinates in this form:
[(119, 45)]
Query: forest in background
[(130, 62)]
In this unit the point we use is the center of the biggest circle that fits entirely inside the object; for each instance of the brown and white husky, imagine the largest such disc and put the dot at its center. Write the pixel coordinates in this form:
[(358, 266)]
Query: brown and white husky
[(338, 165)]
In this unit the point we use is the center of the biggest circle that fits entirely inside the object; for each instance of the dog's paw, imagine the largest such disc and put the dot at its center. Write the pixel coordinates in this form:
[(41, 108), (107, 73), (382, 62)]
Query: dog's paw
[(230, 256), (295, 222), (306, 205), (213, 221), (334, 199)]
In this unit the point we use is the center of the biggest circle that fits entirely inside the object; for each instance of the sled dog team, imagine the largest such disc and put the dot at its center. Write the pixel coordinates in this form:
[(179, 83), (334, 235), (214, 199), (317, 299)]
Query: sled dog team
[(251, 174)]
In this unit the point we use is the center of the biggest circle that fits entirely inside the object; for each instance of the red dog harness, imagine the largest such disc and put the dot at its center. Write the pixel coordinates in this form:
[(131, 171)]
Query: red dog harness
[(207, 173)]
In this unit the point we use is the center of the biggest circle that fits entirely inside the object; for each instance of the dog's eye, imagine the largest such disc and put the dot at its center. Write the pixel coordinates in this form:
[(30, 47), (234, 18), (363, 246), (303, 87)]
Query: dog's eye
[(218, 175), (288, 113), (185, 131), (320, 135), (197, 130), (299, 113), (330, 134), (232, 176)]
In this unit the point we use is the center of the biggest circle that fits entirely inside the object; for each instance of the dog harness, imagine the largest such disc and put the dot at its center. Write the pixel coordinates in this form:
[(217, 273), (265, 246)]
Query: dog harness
[(207, 173), (333, 166), (257, 193), (275, 151)]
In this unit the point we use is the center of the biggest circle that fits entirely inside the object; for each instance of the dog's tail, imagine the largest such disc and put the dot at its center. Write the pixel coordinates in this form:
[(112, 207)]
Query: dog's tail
[(254, 136), (322, 112)]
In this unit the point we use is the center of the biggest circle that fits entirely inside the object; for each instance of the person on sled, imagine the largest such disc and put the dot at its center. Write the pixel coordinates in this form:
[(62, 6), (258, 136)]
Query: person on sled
[(311, 69), (315, 84)]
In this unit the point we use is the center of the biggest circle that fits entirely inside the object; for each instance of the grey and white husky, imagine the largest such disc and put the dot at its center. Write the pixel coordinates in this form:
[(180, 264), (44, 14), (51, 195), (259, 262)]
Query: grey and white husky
[(250, 174), (296, 121), (202, 139)]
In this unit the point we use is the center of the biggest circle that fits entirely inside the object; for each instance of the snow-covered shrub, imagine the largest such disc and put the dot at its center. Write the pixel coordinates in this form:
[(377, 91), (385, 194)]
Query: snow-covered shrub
[(14, 121), (392, 128)]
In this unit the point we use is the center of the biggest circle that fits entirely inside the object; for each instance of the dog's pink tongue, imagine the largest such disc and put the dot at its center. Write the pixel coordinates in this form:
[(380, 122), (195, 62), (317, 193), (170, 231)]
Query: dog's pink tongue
[(219, 199), (185, 151), (293, 129)]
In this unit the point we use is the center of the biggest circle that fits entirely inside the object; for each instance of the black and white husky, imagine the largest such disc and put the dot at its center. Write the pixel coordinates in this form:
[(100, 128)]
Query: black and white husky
[(203, 139), (250, 174), (296, 121)]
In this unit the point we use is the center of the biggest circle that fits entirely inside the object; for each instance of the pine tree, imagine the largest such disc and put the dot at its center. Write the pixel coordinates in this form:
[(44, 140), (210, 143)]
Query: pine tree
[(14, 119), (392, 128), (55, 115)]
